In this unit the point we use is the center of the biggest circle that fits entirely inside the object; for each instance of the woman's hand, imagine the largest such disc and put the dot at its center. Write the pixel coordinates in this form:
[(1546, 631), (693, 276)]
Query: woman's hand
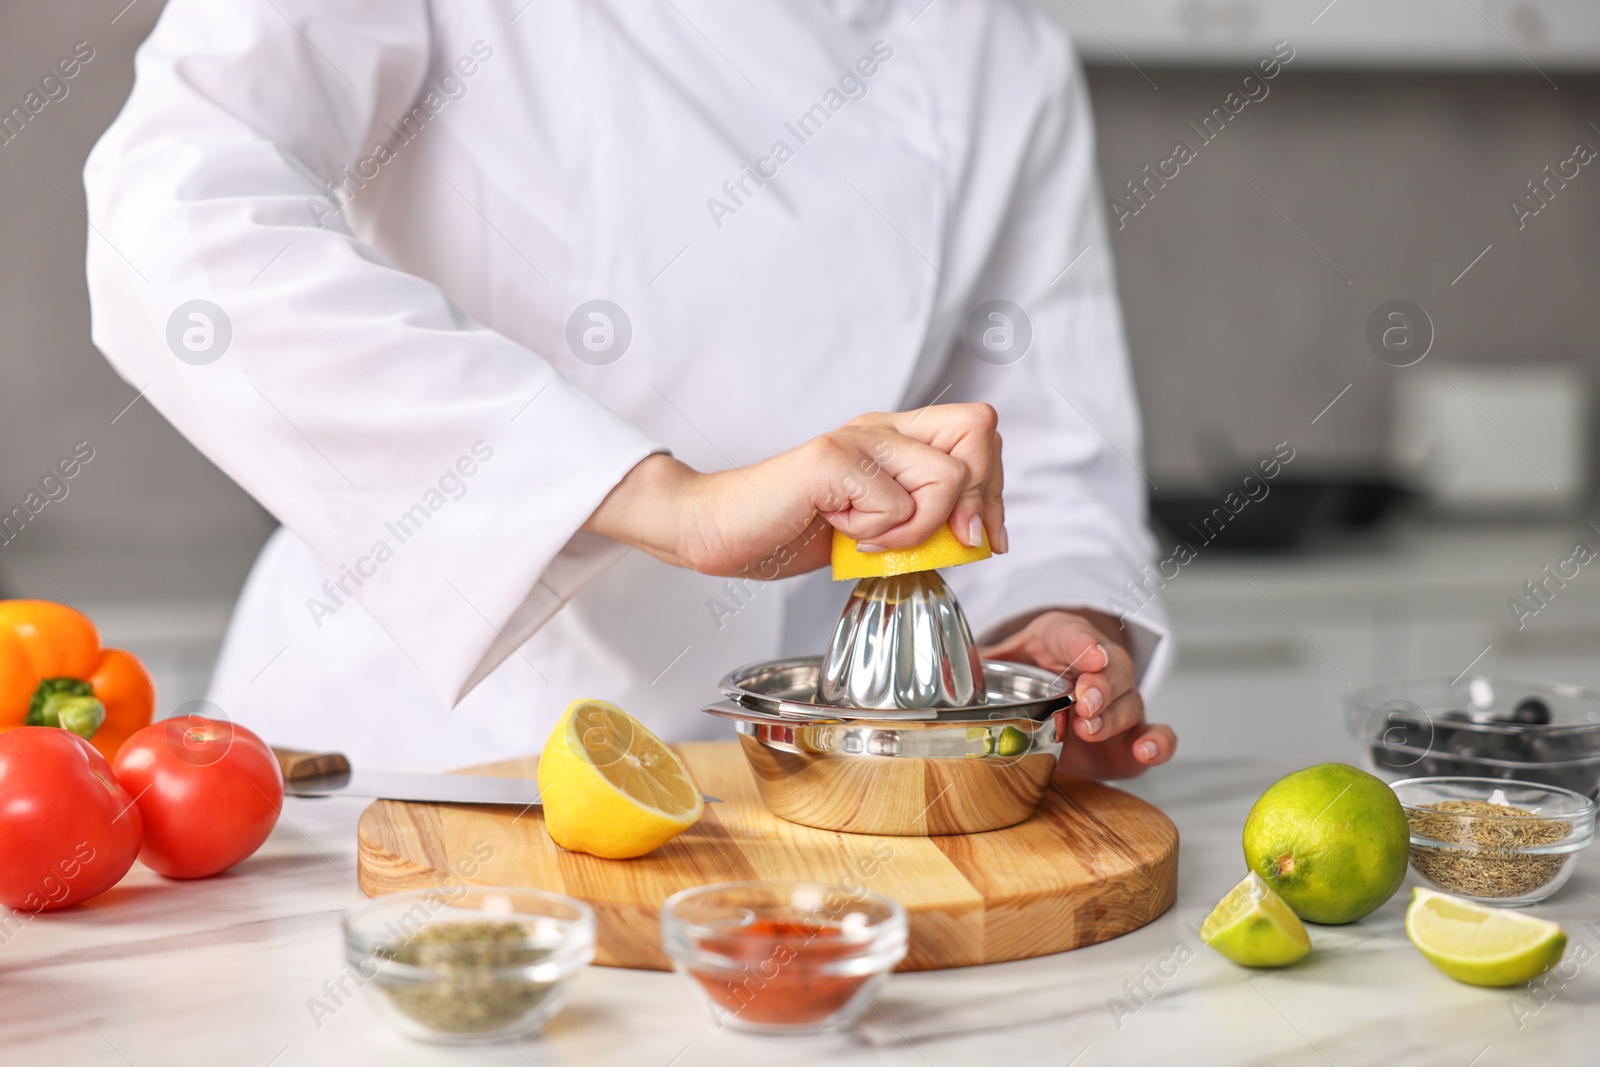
[(1110, 736), (887, 481)]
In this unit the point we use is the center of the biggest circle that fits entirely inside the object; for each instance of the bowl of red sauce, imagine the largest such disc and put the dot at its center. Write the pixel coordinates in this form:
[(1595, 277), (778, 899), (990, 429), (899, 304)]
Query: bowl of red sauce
[(784, 957)]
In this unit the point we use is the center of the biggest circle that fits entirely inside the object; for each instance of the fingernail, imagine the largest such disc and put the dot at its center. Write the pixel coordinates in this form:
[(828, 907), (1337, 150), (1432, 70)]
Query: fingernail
[(1093, 699), (1002, 541), (1105, 657), (974, 531), (1147, 750), (862, 546), (1092, 726)]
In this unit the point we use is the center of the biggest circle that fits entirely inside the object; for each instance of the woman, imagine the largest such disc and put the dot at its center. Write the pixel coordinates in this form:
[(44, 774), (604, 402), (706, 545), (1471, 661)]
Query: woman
[(469, 295)]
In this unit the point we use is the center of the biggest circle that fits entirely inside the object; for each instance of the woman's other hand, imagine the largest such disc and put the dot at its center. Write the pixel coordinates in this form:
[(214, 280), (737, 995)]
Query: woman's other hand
[(1110, 737)]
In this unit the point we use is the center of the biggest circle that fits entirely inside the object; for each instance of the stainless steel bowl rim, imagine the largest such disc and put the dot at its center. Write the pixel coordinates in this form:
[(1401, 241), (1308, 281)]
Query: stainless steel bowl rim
[(753, 688), (737, 712)]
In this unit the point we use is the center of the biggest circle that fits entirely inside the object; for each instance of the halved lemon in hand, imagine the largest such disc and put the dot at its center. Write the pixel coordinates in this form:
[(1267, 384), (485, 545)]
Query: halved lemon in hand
[(1252, 926), (940, 550), (1479, 945), (612, 788)]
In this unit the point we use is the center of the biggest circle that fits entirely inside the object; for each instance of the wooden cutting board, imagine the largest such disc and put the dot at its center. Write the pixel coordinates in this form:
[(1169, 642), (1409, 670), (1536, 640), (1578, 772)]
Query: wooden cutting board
[(1092, 863)]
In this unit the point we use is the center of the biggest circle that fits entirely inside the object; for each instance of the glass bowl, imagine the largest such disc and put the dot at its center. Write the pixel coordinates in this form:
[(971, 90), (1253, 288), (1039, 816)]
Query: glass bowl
[(1479, 727), (465, 964), (1468, 838), (784, 957)]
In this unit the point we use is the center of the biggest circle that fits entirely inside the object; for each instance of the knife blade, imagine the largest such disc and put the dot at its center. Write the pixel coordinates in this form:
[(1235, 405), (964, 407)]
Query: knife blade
[(329, 774)]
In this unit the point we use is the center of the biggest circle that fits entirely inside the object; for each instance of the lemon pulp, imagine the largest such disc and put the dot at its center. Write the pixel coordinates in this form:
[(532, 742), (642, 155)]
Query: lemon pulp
[(612, 788)]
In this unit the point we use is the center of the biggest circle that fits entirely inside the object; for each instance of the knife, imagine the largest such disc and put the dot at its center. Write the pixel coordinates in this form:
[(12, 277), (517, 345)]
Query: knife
[(329, 774)]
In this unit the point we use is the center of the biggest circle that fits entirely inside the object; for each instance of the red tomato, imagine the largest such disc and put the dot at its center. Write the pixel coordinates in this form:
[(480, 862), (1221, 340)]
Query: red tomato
[(209, 791), (68, 831)]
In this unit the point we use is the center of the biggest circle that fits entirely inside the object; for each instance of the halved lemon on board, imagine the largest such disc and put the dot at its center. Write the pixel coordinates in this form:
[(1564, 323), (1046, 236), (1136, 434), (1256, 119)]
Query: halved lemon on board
[(1253, 927), (612, 788), (1479, 945), (940, 550)]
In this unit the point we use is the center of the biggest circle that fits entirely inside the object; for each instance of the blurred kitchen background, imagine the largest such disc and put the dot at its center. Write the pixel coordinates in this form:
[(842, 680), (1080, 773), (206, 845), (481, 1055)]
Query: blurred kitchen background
[(1441, 462)]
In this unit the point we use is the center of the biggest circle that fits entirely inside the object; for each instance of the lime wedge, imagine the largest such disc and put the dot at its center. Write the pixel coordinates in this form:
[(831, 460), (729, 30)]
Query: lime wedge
[(1012, 742), (1253, 927), (1479, 945)]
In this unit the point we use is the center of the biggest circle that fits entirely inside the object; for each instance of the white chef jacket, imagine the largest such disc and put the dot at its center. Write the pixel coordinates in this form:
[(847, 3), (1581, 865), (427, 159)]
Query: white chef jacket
[(399, 213)]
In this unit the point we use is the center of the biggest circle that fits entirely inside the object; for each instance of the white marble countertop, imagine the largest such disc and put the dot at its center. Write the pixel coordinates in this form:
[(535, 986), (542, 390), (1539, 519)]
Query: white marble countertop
[(222, 972)]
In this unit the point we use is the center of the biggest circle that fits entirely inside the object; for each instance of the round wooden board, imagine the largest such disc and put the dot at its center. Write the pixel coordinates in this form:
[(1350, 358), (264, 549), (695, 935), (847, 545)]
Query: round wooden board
[(1092, 863)]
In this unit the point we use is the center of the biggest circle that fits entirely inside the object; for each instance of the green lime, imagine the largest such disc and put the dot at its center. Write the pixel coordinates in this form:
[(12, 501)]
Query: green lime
[(1479, 945), (1252, 926), (1013, 742), (979, 742), (1331, 840)]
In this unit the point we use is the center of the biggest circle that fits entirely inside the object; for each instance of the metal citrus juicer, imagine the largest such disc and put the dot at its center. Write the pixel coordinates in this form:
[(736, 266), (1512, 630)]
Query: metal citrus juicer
[(902, 642), (899, 728)]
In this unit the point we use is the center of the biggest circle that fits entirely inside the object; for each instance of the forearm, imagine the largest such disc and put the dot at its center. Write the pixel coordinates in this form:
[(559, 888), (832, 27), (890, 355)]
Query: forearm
[(645, 509)]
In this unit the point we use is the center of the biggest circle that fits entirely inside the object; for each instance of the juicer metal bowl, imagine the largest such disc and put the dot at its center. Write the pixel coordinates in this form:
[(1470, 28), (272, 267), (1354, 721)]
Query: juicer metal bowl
[(959, 771), (790, 687)]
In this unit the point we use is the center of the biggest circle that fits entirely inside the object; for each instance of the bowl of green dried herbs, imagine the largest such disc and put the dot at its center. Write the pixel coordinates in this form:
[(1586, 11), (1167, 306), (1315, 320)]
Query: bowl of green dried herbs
[(465, 964), (1495, 841)]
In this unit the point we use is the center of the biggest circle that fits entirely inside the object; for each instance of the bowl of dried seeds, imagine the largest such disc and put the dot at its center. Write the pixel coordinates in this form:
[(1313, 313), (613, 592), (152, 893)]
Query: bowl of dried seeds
[(462, 964), (1494, 841)]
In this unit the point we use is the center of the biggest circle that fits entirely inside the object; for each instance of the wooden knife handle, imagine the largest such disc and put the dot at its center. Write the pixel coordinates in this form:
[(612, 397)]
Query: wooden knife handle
[(296, 763)]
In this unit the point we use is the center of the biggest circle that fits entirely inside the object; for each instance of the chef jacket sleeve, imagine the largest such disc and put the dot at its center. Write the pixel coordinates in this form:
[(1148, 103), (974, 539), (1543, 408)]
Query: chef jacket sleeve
[(441, 471), (1074, 476)]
